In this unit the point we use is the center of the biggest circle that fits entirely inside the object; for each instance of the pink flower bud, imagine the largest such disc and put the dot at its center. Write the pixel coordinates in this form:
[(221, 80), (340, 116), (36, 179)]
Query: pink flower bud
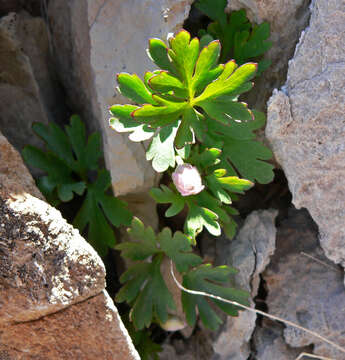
[(187, 180)]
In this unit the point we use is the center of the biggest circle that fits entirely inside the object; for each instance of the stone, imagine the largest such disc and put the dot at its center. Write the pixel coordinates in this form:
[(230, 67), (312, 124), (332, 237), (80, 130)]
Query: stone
[(250, 253), (306, 125), (269, 343), (89, 330), (45, 264), (21, 104), (287, 20), (94, 40), (51, 280), (305, 287)]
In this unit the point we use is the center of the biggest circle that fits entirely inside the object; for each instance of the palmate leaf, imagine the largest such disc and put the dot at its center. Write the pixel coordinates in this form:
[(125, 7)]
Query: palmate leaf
[(211, 280), (241, 155), (146, 290), (240, 39), (144, 287), (191, 80), (97, 209)]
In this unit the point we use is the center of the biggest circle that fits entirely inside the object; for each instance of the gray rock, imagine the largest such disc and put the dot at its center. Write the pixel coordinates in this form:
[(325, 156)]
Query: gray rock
[(94, 40), (250, 253), (305, 287), (21, 103), (269, 343), (287, 19), (306, 125)]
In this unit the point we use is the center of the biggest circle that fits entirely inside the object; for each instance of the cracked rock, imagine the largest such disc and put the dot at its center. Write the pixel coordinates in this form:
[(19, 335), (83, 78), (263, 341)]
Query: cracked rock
[(306, 124), (250, 253), (305, 287)]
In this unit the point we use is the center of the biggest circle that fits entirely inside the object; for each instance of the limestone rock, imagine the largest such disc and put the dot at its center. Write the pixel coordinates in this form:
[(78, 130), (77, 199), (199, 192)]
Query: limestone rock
[(250, 253), (287, 19), (94, 40), (88, 330), (306, 288), (306, 124)]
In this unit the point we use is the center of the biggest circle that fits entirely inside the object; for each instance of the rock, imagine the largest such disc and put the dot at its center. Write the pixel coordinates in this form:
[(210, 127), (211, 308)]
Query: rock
[(269, 343), (250, 253), (15, 179), (94, 40), (88, 330), (287, 19), (306, 125), (45, 264), (21, 104), (306, 288), (51, 280)]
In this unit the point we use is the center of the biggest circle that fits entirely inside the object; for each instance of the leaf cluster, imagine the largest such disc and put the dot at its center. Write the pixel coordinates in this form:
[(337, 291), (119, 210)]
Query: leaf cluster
[(144, 288), (210, 208), (240, 39), (69, 162), (173, 103)]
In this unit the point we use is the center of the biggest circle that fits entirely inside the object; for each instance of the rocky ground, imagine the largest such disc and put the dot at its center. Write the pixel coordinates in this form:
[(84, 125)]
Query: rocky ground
[(56, 58)]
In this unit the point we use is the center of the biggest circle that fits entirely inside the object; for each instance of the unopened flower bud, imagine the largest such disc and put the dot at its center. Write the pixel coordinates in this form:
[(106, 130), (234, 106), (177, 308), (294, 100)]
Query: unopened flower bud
[(187, 180)]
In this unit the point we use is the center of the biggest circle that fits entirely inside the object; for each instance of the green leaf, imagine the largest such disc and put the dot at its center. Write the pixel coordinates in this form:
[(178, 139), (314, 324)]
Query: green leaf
[(184, 54), (56, 141), (161, 150), (206, 62), (88, 152), (178, 249), (225, 110), (213, 9), (123, 122), (133, 87), (211, 280), (166, 195), (96, 209), (229, 81), (60, 176), (164, 114), (147, 290), (200, 217), (185, 134), (158, 53), (249, 45), (250, 164), (165, 82)]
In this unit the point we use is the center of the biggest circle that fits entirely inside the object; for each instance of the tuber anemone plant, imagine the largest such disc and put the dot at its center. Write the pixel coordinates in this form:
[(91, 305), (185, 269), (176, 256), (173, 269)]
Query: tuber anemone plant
[(202, 135)]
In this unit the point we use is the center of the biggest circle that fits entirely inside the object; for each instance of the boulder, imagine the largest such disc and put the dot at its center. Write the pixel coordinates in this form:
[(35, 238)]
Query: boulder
[(51, 280), (305, 287), (95, 39), (306, 124), (250, 253), (89, 330)]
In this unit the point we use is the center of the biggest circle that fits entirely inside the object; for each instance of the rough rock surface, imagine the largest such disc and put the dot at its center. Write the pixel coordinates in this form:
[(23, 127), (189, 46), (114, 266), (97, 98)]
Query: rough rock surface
[(306, 124), (51, 280), (269, 343), (94, 40), (287, 19), (250, 253), (88, 330), (305, 287), (20, 103)]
